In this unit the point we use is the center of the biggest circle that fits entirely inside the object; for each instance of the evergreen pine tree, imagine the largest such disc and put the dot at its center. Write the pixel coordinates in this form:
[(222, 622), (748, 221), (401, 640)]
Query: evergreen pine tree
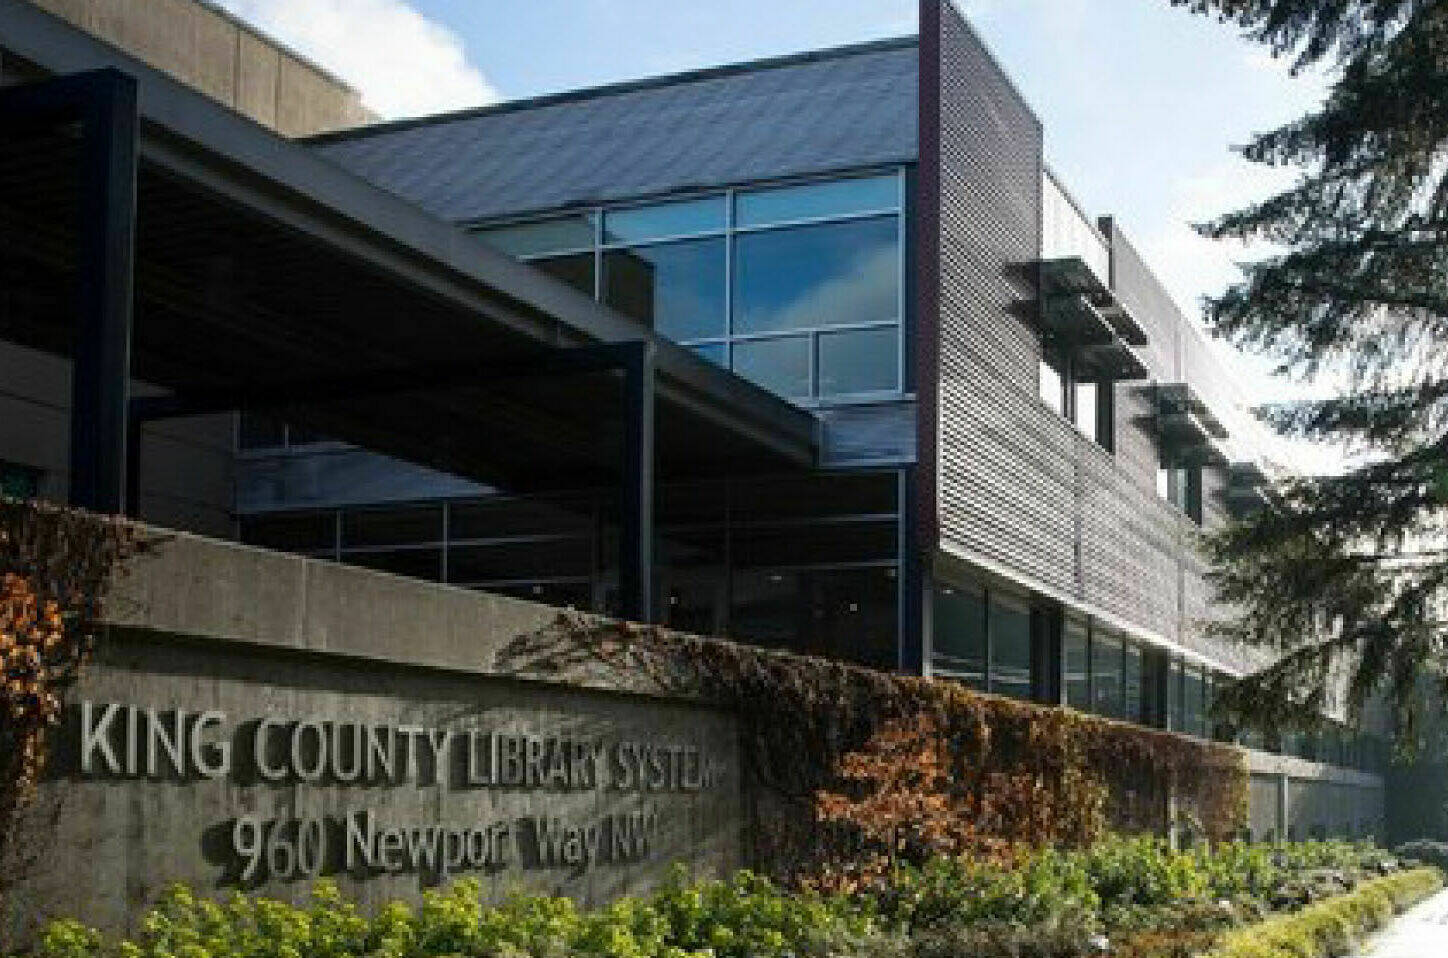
[(1339, 576)]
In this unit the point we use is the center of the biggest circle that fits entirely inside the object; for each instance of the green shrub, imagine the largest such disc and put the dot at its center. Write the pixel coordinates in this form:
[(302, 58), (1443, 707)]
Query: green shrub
[(1146, 899), (1331, 927), (1426, 851), (742, 917)]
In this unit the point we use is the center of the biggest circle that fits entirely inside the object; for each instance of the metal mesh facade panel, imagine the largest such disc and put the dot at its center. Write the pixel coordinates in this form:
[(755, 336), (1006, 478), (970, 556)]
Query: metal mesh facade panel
[(1016, 485), (1148, 301), (1006, 477)]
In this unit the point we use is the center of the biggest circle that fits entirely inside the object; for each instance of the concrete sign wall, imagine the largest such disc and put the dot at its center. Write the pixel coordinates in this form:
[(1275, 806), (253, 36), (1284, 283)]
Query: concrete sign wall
[(240, 763)]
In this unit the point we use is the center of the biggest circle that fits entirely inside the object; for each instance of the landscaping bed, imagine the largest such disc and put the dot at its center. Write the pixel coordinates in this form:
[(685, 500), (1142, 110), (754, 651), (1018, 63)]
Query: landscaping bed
[(1121, 897)]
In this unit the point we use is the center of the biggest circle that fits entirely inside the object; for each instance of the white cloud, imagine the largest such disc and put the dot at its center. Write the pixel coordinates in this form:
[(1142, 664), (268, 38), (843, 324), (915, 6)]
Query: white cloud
[(402, 63)]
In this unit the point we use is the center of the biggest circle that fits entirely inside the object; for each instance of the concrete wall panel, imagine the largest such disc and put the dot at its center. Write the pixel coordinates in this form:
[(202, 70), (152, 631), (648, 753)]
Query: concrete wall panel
[(199, 626)]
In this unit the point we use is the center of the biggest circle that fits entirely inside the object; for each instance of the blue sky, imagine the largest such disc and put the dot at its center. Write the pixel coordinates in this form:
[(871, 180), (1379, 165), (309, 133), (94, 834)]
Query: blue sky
[(1140, 101)]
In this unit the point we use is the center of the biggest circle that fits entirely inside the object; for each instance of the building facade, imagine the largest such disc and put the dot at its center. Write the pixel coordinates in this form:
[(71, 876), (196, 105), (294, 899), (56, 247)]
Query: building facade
[(916, 409)]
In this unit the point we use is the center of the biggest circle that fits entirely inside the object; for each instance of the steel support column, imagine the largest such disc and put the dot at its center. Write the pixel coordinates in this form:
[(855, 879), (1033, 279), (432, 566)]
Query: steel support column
[(103, 105), (636, 494), (101, 372)]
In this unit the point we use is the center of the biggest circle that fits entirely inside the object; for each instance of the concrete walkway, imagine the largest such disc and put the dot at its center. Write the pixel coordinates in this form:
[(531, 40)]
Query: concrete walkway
[(1420, 932)]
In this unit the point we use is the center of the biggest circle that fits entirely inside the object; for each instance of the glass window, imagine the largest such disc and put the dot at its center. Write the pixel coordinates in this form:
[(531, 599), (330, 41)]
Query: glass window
[(1176, 699), (664, 220), (832, 274), (1106, 662), (292, 531), (402, 526), (1086, 409), (19, 482), (564, 233), (866, 194), (574, 269), (260, 431), (1053, 382), (716, 353), (1075, 653), (860, 361), (1194, 695), (676, 288), (779, 365), (958, 637), (1134, 707), (1010, 647)]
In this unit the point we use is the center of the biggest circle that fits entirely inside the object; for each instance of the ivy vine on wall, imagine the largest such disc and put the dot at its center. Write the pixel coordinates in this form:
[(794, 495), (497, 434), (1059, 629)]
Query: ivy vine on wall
[(850, 771), (56, 565)]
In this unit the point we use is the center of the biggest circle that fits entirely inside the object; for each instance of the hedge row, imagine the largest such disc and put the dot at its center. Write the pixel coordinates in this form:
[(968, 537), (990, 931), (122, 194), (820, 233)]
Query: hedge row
[(850, 772), (1332, 927)]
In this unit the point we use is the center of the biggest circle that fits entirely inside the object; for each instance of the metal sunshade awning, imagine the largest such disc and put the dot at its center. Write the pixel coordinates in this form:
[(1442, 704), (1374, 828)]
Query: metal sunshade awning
[(1248, 487), (1189, 433), (1070, 276)]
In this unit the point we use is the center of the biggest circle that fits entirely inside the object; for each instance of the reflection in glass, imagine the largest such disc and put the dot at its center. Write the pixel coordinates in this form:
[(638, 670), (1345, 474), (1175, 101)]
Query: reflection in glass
[(1106, 674), (866, 194), (958, 638), (1176, 703), (779, 365), (1078, 676), (1134, 705), (676, 288), (1194, 694), (575, 232), (664, 220), (716, 353), (1010, 647), (859, 361), (827, 275)]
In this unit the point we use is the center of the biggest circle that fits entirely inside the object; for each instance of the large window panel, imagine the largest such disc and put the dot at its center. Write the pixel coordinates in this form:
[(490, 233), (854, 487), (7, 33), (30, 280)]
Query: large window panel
[(831, 274), (1086, 409), (1194, 707), (664, 220), (1075, 652), (859, 361), (561, 234), (1106, 677), (1010, 647), (958, 638), (782, 204), (676, 288), (780, 365), (1133, 680)]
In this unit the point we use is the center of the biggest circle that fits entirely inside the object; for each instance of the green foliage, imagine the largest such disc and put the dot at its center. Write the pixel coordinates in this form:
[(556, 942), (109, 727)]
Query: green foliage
[(741, 917), (1146, 899), (1332, 927), (1358, 287)]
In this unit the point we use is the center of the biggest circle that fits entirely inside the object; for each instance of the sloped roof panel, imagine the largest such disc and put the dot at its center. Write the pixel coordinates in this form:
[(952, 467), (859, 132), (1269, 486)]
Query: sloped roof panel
[(816, 113)]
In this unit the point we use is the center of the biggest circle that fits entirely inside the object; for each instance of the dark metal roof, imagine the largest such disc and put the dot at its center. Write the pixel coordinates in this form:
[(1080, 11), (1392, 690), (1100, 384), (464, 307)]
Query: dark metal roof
[(259, 263), (810, 113)]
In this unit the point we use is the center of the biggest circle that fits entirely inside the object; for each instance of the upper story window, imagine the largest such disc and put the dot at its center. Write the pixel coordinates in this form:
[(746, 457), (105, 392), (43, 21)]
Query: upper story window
[(1182, 487), (260, 431), (797, 287), (1087, 403)]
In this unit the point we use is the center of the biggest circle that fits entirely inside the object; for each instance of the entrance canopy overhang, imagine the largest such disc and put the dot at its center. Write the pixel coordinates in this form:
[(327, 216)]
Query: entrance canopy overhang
[(263, 276)]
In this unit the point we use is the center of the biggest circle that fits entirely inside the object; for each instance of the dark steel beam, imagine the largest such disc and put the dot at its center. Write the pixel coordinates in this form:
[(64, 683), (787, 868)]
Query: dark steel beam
[(603, 357), (103, 105), (636, 499), (101, 374)]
